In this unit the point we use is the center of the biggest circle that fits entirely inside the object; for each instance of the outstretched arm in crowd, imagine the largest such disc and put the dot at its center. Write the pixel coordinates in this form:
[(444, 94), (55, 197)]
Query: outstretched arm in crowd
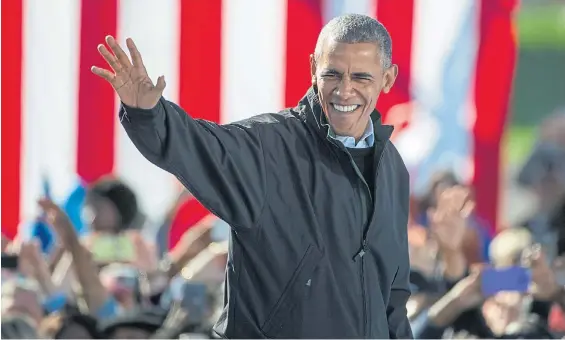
[(96, 297), (192, 242), (458, 306), (221, 165)]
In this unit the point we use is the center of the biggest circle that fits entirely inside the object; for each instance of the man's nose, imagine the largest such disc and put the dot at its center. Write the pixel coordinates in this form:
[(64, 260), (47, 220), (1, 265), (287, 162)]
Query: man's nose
[(345, 89)]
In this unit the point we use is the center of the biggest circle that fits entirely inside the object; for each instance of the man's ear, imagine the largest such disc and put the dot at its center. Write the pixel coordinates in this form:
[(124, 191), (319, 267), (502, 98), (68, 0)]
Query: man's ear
[(389, 78), (313, 68)]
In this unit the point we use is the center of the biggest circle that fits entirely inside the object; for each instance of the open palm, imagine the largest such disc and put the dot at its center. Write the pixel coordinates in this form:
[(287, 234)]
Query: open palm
[(129, 78)]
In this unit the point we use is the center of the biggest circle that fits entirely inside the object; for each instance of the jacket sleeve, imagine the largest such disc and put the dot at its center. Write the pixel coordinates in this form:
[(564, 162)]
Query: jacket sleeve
[(221, 165), (398, 323)]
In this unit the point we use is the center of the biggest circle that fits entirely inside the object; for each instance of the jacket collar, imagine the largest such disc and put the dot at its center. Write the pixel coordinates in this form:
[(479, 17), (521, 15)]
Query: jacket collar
[(314, 116)]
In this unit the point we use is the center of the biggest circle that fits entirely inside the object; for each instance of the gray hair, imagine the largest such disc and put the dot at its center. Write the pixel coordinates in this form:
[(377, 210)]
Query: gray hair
[(357, 28)]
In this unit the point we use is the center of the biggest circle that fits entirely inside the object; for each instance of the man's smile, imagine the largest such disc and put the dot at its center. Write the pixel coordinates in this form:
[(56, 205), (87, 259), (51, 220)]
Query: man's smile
[(345, 108)]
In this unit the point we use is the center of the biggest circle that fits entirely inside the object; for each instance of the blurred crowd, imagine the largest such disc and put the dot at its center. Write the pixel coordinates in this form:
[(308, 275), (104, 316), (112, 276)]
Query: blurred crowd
[(113, 281), (116, 282)]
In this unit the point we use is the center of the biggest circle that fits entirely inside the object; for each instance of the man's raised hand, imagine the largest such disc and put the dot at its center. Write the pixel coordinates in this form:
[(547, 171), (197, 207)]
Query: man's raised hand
[(129, 78)]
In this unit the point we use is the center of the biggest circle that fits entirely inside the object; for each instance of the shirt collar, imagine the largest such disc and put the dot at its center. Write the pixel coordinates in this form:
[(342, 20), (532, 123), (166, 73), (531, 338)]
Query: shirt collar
[(367, 140)]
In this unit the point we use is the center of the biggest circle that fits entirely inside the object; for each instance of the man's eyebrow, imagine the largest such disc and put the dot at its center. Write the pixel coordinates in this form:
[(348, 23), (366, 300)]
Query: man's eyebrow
[(355, 74), (363, 75), (331, 71)]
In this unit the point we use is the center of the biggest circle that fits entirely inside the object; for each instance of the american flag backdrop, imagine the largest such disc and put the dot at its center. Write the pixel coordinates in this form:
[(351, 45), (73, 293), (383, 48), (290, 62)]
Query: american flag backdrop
[(227, 60)]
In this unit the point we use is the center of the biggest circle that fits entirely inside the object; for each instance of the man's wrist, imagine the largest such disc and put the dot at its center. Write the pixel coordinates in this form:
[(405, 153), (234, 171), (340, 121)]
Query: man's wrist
[(454, 263)]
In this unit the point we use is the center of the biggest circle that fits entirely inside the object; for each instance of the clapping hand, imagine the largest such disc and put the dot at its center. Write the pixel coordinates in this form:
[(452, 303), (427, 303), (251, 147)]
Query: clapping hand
[(60, 222), (544, 284), (129, 78), (448, 221)]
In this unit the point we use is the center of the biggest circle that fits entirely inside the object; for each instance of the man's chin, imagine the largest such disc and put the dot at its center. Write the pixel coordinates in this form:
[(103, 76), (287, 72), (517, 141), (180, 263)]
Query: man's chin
[(341, 130)]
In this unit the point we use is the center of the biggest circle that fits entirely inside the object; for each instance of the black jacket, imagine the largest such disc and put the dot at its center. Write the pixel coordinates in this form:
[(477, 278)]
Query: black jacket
[(312, 254)]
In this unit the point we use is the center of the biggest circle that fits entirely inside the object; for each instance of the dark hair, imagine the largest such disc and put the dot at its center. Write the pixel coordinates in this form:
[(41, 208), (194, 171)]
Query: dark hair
[(121, 196)]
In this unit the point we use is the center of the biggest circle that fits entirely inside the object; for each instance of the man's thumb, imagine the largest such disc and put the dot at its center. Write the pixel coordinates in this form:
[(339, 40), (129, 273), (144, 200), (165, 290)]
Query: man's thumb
[(160, 83)]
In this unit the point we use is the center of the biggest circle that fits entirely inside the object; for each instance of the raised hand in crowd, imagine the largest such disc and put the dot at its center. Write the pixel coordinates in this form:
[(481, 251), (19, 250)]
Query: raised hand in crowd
[(60, 222), (86, 270), (129, 78), (448, 224), (192, 242), (448, 220), (544, 284)]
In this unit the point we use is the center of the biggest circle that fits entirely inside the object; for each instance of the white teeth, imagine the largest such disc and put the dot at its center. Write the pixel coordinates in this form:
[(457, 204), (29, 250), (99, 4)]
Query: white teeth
[(345, 108)]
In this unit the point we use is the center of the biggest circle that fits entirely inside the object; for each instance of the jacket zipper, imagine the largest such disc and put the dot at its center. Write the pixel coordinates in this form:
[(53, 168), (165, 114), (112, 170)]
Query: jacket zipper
[(361, 253), (363, 250)]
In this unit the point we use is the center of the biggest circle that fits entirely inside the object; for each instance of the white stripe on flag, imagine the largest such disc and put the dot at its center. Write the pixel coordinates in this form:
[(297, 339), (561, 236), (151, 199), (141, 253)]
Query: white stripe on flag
[(333, 8), (444, 54), (49, 99), (154, 26), (253, 49)]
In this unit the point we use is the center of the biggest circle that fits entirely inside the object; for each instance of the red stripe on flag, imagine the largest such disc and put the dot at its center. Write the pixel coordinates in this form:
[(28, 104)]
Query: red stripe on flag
[(200, 58), (187, 215), (397, 16), (303, 24), (96, 107), (12, 40), (200, 77), (493, 85)]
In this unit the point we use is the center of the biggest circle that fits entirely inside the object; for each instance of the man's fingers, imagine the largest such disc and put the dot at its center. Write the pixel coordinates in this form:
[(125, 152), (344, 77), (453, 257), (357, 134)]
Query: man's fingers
[(159, 86), (135, 55), (118, 52), (161, 83), (110, 58), (103, 73)]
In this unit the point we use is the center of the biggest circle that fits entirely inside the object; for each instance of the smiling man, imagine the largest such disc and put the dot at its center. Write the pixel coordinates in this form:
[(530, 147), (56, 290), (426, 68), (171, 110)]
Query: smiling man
[(316, 195)]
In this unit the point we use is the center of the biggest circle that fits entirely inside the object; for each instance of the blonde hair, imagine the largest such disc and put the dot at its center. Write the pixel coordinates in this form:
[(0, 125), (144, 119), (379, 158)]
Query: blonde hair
[(507, 247)]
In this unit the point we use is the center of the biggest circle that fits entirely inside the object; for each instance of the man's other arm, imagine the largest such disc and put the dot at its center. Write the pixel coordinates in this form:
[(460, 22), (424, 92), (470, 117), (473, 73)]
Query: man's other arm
[(398, 324), (221, 165)]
